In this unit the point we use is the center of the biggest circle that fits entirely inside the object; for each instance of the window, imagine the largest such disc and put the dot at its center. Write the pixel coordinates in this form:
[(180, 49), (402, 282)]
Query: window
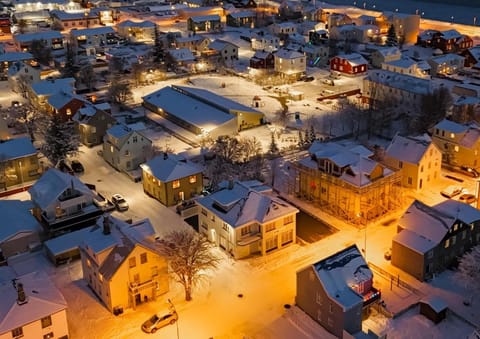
[(287, 237), (456, 148), (134, 139), (269, 227), (176, 184), (455, 227), (245, 230), (143, 258), (410, 180), (400, 164), (447, 243), (100, 277), (127, 152), (288, 220), (464, 234), (204, 212), (192, 179), (47, 321), (132, 262), (17, 332)]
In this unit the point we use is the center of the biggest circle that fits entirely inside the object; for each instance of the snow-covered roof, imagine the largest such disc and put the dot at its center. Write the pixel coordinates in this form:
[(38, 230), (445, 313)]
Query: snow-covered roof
[(404, 62), (47, 35), (240, 204), (203, 18), (219, 45), (62, 98), (261, 55), (140, 24), (414, 241), (435, 302), (16, 148), (181, 54), (119, 242), (63, 15), (401, 81), (169, 167), (388, 51), (66, 242), (138, 126), (288, 54), (52, 86), (468, 86), (340, 273), (15, 56), (354, 59), (190, 38), (451, 126), (451, 34), (447, 58), (92, 31), (243, 14), (52, 184), (119, 131), (459, 210), (475, 52), (16, 219), (408, 149), (43, 299), (426, 221)]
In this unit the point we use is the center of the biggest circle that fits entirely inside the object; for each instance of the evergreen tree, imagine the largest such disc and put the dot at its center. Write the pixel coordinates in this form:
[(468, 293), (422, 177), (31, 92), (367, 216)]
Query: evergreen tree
[(306, 138), (301, 142), (392, 39), (313, 136), (69, 69), (41, 52), (60, 139), (273, 145)]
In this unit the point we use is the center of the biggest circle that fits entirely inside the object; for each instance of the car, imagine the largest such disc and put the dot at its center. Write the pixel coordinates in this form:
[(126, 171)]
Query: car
[(100, 201), (471, 172), (64, 167), (451, 191), (77, 166), (467, 198), (308, 79), (156, 322), (120, 203)]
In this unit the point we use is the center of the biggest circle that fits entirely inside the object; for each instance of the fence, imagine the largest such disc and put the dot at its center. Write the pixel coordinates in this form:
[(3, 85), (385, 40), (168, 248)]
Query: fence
[(394, 279)]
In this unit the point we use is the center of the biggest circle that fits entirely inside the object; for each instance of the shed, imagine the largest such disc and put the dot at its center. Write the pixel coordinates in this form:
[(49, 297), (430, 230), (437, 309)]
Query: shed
[(434, 308)]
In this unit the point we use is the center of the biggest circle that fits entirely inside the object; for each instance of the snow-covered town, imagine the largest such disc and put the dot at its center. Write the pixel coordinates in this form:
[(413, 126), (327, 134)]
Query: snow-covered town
[(239, 169)]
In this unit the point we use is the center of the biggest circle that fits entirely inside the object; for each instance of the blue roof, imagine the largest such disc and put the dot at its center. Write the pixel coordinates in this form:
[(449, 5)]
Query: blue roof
[(16, 218), (48, 35), (16, 148), (49, 87), (92, 31)]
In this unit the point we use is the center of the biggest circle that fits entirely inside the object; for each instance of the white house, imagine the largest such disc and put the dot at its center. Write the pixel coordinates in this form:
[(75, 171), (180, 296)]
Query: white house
[(283, 28), (142, 31), (290, 63), (384, 54), (405, 65), (446, 64), (265, 42), (126, 148), (32, 307)]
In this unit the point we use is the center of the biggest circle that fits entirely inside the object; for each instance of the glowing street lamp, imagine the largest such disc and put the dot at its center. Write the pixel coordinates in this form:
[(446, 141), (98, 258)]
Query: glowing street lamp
[(474, 21)]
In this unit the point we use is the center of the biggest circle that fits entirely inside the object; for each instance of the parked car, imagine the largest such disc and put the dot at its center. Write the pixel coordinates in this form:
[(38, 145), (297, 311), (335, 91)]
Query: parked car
[(467, 198), (77, 166), (119, 202), (471, 172), (156, 322), (308, 78), (451, 191), (64, 167), (100, 201)]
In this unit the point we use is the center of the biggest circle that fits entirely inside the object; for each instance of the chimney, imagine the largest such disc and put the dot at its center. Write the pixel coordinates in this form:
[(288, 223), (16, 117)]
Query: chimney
[(106, 225), (165, 155), (230, 184), (21, 298)]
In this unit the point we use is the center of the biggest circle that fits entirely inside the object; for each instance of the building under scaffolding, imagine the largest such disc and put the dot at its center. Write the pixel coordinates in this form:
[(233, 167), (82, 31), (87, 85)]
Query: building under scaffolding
[(346, 184)]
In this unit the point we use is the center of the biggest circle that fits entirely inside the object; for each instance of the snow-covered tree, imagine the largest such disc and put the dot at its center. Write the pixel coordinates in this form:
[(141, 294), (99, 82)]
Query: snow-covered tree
[(119, 92), (468, 272), (301, 142), (25, 118), (189, 255), (312, 135), (60, 139)]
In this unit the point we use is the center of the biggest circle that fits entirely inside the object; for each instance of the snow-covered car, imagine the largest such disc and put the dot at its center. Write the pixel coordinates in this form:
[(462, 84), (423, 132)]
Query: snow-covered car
[(156, 322), (467, 198), (119, 202), (451, 191)]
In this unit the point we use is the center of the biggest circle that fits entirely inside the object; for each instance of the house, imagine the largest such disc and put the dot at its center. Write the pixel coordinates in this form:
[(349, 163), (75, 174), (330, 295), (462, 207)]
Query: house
[(92, 40), (418, 159), (290, 64), (354, 33), (406, 25), (242, 19), (92, 124), (451, 41), (64, 104), (429, 239), (265, 42), (51, 39), (122, 265), (204, 23), (384, 55), (464, 107), (171, 179), (459, 143), (262, 60), (335, 19), (317, 55), (125, 148), (32, 307), (283, 28), (19, 165), (202, 112), (62, 203), (138, 32), (193, 42), (7, 59), (407, 66), (407, 91), (349, 64), (472, 56), (39, 92), (247, 218), (337, 291), (446, 64), (466, 90), (72, 20), (227, 51), (343, 180), (182, 57), (21, 75), (20, 231)]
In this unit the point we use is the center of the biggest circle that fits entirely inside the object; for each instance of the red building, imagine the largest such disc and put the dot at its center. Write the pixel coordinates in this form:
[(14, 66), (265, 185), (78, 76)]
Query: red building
[(349, 64), (451, 41)]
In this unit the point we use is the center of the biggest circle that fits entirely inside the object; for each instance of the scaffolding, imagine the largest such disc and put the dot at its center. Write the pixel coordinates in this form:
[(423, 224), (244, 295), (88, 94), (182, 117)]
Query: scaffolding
[(354, 204)]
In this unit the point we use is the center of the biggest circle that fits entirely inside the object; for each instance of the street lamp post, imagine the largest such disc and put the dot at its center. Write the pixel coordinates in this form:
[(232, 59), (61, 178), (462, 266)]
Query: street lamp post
[(174, 310), (474, 21)]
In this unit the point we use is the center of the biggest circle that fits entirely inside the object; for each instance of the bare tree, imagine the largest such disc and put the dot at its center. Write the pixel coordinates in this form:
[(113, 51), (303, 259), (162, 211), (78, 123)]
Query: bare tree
[(433, 108), (189, 255), (87, 76), (468, 272), (119, 92)]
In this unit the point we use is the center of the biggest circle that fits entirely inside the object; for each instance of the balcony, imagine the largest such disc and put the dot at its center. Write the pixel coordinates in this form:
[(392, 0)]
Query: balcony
[(134, 287), (249, 239)]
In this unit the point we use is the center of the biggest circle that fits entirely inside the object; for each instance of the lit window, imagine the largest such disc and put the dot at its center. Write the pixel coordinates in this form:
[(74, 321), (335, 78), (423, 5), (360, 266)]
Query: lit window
[(89, 264), (192, 179), (176, 184), (452, 135), (456, 148), (47, 321), (100, 277), (447, 243)]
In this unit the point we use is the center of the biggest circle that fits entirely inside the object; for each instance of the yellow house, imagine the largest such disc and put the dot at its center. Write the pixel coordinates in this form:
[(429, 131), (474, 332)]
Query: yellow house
[(171, 179), (342, 180), (121, 265), (418, 158), (459, 143), (246, 218)]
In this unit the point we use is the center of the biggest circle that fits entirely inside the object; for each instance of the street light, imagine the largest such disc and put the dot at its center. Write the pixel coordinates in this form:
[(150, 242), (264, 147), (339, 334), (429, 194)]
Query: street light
[(452, 17), (474, 21), (174, 310)]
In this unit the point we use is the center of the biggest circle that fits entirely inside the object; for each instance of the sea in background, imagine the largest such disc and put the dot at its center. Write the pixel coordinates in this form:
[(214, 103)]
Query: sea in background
[(457, 11)]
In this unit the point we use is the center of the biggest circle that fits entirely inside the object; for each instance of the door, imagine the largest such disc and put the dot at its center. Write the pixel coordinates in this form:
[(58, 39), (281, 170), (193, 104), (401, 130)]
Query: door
[(181, 196)]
